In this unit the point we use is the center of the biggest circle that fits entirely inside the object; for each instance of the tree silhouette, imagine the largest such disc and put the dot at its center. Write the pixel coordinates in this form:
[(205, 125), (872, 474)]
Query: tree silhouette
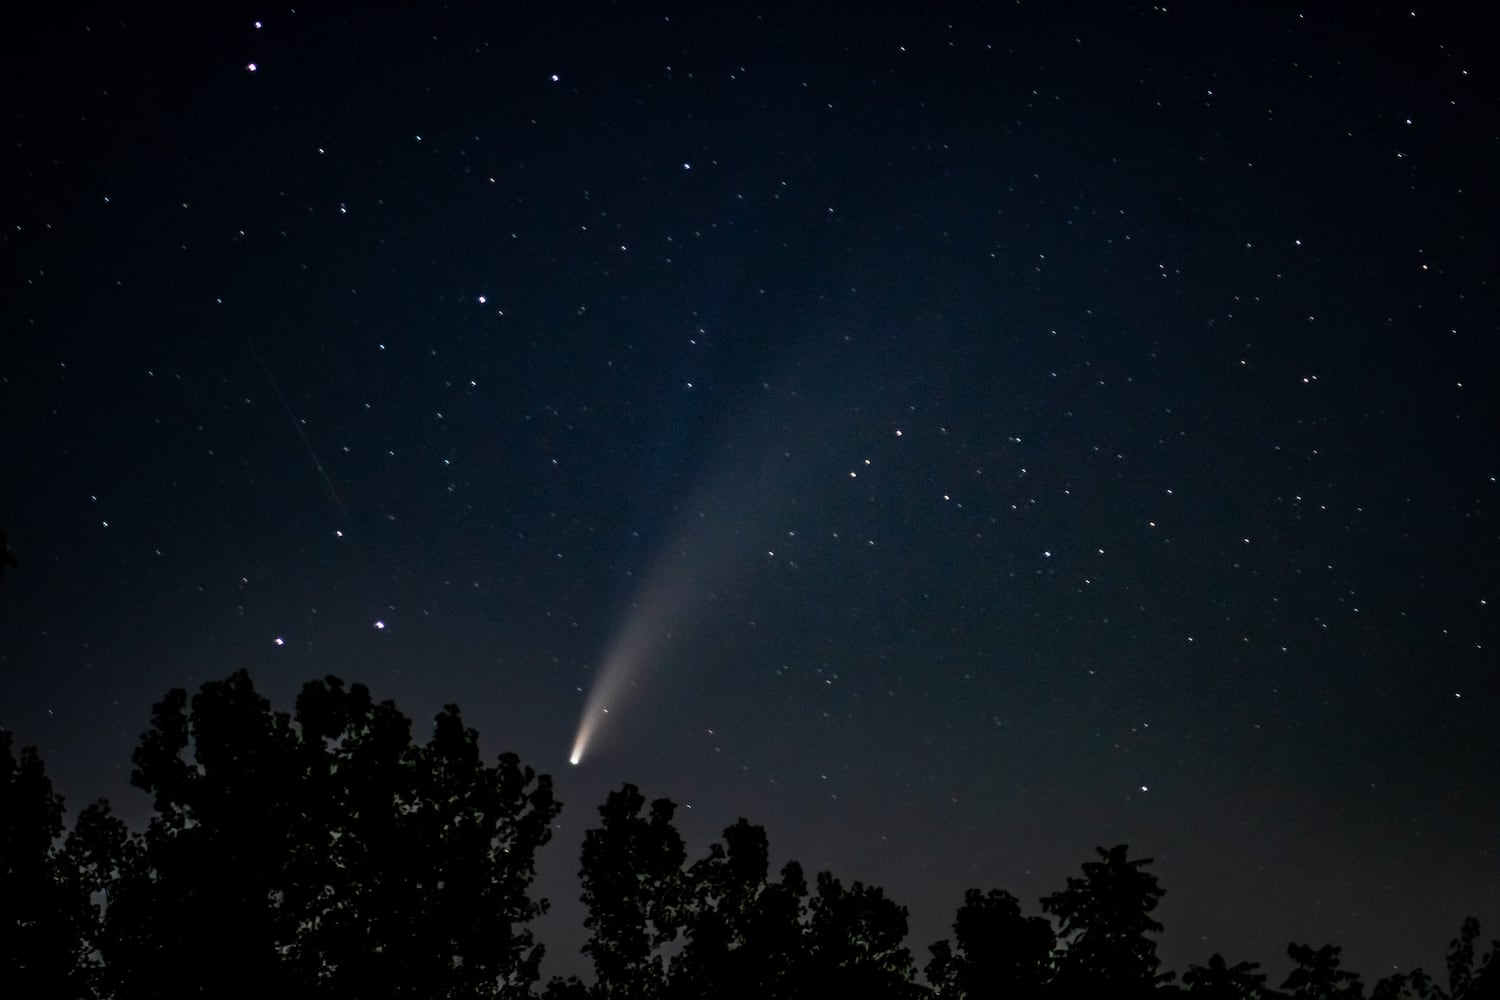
[(741, 936), (1319, 976), (632, 886), (1219, 981), (324, 853), (855, 943), (1414, 985), (1105, 918), (571, 988), (1466, 980), (100, 852), (46, 909), (999, 951), (744, 934)]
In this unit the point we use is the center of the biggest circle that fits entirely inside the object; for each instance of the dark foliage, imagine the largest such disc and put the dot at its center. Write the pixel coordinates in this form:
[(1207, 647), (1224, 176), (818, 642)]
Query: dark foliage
[(1318, 975), (735, 932), (323, 852), (744, 933), (632, 885), (999, 951), (1106, 925), (1467, 980), (326, 853), (43, 947), (1220, 981)]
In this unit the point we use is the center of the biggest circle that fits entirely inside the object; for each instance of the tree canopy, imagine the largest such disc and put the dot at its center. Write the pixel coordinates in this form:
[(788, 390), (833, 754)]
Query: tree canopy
[(327, 852), (322, 851)]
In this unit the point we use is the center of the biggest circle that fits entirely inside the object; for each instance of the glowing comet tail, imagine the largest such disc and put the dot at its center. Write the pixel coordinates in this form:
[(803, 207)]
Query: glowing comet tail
[(671, 595), (737, 505), (619, 670)]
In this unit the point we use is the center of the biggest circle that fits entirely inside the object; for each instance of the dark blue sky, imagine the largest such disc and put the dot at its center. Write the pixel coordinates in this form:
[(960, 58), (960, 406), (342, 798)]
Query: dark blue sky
[(1005, 429)]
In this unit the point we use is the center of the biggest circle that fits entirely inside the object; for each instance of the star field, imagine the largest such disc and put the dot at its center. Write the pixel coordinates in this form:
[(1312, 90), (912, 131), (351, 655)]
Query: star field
[(991, 431)]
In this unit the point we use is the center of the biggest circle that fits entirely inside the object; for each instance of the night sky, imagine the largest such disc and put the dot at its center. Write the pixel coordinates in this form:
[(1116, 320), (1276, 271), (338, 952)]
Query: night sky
[(951, 437)]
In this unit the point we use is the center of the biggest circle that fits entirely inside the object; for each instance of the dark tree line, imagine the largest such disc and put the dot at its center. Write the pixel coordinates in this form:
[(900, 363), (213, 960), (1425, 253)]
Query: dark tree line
[(327, 853), (322, 853)]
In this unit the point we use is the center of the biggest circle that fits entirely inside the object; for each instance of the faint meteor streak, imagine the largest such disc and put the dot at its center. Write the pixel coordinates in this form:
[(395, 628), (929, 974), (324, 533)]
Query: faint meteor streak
[(297, 425)]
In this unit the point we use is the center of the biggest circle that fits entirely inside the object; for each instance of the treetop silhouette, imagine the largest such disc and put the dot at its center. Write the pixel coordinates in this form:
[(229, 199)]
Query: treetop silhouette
[(323, 851), (326, 852)]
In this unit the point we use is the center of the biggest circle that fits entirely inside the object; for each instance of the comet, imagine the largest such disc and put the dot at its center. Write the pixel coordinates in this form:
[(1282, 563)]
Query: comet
[(648, 627), (773, 467), (715, 540)]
